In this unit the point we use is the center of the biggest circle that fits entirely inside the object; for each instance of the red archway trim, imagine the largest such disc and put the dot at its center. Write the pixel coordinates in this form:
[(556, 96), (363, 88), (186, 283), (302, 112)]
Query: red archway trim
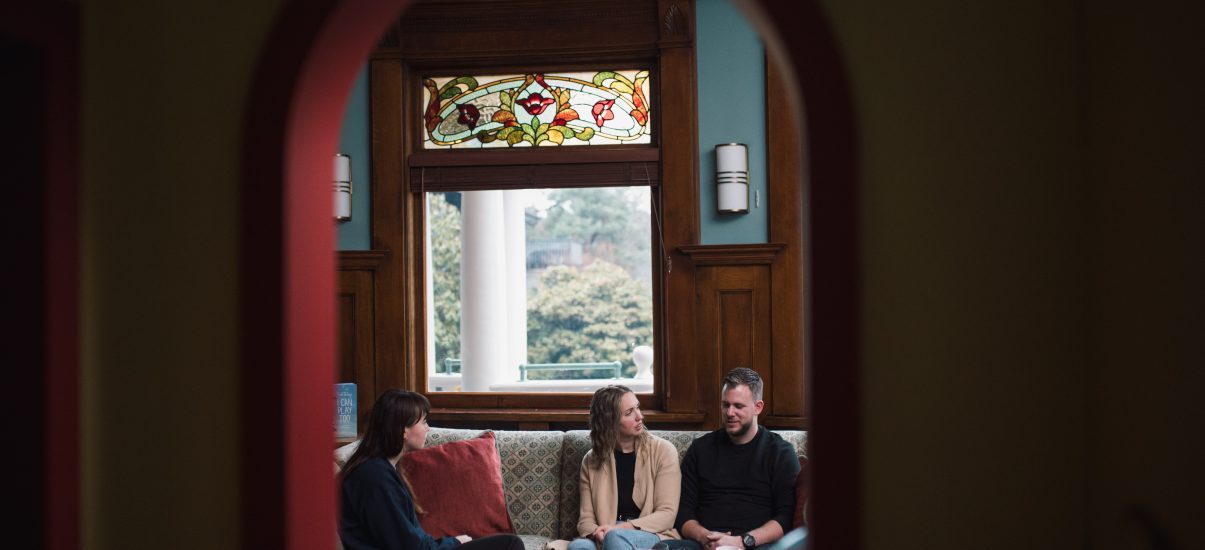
[(287, 302)]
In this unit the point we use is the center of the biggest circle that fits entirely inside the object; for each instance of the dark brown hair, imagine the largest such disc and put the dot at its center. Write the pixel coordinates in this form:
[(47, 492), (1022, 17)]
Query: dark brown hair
[(384, 436)]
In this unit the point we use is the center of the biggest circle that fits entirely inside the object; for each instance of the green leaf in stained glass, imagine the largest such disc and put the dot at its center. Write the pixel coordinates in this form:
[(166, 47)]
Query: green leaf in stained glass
[(514, 137), (567, 131), (453, 88), (585, 134), (602, 76)]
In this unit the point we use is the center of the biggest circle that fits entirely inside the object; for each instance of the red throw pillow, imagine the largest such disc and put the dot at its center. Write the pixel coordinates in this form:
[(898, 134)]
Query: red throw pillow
[(801, 493), (459, 484)]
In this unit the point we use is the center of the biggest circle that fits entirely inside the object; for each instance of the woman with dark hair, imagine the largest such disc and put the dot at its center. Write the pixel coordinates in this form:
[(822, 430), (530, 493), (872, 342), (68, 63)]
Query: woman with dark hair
[(379, 510), (630, 480)]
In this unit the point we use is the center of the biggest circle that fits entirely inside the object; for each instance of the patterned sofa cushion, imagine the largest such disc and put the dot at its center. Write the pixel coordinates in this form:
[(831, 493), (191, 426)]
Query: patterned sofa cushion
[(531, 475), (575, 446)]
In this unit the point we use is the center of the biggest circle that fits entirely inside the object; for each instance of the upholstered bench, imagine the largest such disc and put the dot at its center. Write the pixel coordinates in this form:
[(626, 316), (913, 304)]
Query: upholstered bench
[(539, 471)]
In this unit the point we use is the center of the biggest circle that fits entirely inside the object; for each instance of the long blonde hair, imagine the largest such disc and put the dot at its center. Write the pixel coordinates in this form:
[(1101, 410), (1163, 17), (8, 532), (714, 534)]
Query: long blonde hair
[(604, 421)]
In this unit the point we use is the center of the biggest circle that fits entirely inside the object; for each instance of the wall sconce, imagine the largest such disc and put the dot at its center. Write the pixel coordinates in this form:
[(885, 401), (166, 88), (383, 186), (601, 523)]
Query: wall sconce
[(732, 178), (342, 187)]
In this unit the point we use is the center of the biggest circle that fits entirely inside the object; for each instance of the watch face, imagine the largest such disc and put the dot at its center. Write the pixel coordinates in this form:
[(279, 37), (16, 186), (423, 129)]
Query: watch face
[(749, 542)]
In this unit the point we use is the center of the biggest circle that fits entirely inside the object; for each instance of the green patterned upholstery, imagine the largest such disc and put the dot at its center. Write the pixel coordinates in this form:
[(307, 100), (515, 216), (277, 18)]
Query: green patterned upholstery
[(577, 443), (798, 438), (540, 473), (531, 474)]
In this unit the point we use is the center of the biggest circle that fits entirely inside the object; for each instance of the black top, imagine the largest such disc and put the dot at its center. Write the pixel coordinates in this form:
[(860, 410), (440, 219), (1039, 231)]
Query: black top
[(738, 488), (378, 512), (625, 480)]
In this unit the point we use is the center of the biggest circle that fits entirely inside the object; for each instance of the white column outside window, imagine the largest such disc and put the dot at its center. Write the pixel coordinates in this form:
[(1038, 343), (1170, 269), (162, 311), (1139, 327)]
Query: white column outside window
[(483, 290), (516, 283)]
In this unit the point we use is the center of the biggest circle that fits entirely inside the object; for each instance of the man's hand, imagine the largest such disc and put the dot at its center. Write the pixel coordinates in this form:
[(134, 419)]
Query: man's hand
[(463, 538), (714, 539)]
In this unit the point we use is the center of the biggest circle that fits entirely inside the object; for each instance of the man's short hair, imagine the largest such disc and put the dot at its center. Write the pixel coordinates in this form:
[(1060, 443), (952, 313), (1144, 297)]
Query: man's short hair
[(748, 377)]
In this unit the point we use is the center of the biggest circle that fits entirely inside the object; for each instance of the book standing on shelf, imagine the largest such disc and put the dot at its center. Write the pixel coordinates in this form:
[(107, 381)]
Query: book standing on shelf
[(345, 410)]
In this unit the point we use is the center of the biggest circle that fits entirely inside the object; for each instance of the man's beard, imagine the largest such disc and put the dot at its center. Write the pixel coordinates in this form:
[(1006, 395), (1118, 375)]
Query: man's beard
[(741, 431)]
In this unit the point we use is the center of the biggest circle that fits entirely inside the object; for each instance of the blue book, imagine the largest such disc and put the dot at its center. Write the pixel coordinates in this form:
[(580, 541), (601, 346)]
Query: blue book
[(345, 410)]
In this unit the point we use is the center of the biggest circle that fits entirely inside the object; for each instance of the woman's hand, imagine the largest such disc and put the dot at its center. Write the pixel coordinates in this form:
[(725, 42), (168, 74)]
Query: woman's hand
[(601, 531), (463, 538)]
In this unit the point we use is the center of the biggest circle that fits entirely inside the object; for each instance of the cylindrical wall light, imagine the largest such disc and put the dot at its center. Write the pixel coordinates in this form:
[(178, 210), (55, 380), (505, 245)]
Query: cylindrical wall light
[(342, 187), (732, 177)]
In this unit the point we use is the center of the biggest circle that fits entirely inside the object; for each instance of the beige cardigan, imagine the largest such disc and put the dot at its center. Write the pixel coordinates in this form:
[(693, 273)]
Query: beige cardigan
[(658, 483)]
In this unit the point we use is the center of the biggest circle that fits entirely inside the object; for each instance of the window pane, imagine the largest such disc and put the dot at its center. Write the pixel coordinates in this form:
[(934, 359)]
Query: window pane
[(539, 289), (536, 109)]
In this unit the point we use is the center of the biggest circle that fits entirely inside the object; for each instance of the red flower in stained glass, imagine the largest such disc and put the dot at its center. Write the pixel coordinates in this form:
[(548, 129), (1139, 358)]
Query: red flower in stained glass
[(468, 115), (602, 111), (535, 103)]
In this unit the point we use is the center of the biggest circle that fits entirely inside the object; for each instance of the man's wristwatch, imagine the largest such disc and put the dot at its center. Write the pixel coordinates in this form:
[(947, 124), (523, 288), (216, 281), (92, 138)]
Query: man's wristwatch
[(748, 540)]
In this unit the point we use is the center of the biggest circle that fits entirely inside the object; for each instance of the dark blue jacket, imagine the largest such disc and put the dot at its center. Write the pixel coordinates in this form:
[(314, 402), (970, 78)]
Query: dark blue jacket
[(378, 512)]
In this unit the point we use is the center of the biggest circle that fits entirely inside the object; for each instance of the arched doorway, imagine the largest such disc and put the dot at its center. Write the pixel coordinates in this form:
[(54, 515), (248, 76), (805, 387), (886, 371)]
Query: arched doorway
[(292, 122)]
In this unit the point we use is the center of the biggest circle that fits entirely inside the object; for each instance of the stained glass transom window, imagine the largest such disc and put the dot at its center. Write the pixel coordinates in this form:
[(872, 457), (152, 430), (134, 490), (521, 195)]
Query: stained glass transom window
[(537, 109)]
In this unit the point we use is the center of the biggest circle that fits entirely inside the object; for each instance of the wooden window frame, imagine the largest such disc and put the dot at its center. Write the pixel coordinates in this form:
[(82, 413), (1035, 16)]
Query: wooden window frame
[(662, 40)]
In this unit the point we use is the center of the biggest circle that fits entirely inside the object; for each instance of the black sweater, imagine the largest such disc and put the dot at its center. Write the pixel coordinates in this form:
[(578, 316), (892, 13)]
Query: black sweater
[(738, 488), (378, 512)]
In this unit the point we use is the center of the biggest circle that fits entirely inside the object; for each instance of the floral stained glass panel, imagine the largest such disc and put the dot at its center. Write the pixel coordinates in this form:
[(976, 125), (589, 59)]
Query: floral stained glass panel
[(537, 109)]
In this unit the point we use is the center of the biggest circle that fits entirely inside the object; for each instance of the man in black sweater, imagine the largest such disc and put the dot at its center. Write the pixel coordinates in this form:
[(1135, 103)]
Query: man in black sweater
[(738, 483)]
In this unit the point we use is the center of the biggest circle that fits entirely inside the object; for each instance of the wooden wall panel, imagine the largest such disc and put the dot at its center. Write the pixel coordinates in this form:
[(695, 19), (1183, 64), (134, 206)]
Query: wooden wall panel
[(389, 219), (451, 32), (679, 198), (356, 319), (733, 326), (355, 330), (785, 171)]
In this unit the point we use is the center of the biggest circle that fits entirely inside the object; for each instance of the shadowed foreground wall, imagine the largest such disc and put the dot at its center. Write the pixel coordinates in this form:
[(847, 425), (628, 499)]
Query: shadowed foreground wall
[(1031, 180), (164, 88)]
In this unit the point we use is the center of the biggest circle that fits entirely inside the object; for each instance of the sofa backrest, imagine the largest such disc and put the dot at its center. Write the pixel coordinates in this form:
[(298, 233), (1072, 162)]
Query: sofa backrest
[(540, 471)]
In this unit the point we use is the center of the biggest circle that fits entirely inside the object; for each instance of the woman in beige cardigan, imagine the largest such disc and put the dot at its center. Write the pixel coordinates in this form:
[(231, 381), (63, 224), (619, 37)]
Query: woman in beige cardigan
[(630, 480)]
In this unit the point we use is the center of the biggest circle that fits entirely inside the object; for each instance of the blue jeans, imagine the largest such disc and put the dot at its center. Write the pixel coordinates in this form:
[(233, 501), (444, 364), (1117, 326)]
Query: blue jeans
[(619, 539), (687, 544)]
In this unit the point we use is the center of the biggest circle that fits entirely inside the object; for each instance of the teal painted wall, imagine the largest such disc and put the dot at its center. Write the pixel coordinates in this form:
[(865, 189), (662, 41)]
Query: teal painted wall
[(356, 233), (732, 108), (729, 51)]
